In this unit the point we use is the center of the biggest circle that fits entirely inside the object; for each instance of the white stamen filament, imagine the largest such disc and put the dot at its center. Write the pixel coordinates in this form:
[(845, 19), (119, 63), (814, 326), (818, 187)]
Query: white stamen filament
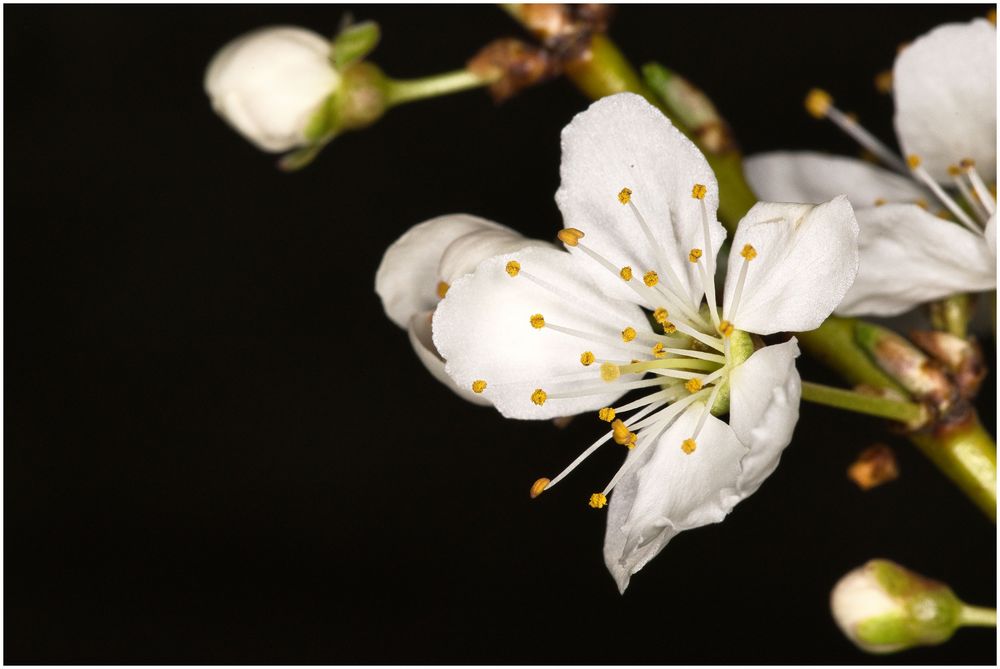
[(974, 202), (604, 339), (865, 139), (985, 197), (663, 420), (613, 387), (729, 311), (667, 395), (645, 293), (696, 354), (661, 258), (708, 286), (943, 197), (572, 299), (707, 410), (707, 340), (597, 444)]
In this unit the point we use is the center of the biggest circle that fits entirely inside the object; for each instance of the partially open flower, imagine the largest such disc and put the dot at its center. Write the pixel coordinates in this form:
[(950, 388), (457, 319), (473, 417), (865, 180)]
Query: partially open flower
[(271, 85)]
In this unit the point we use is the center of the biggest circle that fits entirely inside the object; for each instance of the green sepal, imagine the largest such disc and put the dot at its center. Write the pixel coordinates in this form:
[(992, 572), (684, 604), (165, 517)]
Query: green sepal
[(930, 611), (353, 43), (299, 158)]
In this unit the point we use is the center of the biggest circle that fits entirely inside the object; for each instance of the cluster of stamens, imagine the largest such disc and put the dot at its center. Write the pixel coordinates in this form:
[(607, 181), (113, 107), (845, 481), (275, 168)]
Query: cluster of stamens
[(683, 362), (973, 191)]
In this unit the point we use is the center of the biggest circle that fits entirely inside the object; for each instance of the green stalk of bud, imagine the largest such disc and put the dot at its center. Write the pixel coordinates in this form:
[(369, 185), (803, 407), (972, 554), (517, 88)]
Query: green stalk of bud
[(883, 607)]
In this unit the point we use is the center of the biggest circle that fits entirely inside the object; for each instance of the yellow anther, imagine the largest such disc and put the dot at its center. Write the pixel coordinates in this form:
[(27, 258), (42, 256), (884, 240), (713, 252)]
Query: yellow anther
[(442, 289), (693, 385), (610, 371), (624, 195), (537, 321), (622, 435), (586, 358), (626, 273), (695, 255), (913, 160), (628, 334), (539, 396), (538, 487), (726, 328), (661, 315), (650, 278), (748, 252), (967, 163), (954, 170), (991, 16), (570, 236), (478, 386), (688, 446), (607, 414), (658, 351), (883, 82), (513, 267), (669, 328), (818, 102), (698, 191), (879, 202), (922, 203), (598, 501)]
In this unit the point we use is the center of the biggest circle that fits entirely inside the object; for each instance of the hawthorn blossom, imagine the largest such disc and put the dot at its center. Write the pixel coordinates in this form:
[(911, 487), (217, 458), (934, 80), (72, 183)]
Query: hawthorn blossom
[(271, 85), (417, 268), (632, 306), (944, 87)]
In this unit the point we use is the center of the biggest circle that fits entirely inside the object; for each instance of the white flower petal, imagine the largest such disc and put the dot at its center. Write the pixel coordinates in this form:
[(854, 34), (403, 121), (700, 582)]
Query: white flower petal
[(269, 83), (467, 251), (482, 329), (623, 141), (763, 408), (407, 277), (668, 491), (807, 257), (420, 338), (909, 256), (804, 176), (945, 87)]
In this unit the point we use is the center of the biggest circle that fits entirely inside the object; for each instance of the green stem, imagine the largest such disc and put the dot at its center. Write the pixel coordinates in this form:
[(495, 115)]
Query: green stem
[(968, 456), (401, 91), (909, 413), (978, 616), (952, 314)]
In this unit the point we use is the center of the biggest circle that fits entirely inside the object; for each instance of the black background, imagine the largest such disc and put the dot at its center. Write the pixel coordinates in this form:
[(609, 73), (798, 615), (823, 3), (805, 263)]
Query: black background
[(218, 449)]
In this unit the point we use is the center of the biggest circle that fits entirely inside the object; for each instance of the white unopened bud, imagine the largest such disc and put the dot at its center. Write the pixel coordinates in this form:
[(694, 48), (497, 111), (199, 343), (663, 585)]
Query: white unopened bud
[(883, 607), (272, 84)]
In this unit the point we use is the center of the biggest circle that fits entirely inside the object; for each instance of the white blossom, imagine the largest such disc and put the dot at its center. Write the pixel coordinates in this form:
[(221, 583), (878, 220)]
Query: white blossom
[(944, 87), (542, 332)]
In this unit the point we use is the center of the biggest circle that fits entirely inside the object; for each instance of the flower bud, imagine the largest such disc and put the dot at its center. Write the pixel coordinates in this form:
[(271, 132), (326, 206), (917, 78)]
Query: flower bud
[(883, 607), (921, 376), (271, 84)]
